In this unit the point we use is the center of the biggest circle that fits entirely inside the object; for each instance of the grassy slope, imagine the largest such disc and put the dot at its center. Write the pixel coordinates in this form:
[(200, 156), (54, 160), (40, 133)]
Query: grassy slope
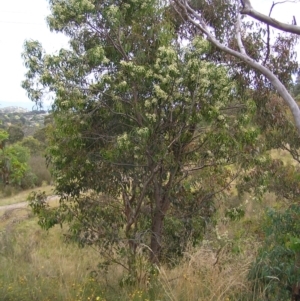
[(38, 265)]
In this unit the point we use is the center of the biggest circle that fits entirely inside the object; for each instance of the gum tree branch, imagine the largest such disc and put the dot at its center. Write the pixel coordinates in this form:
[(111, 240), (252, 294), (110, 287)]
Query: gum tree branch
[(198, 21), (250, 11), (239, 36)]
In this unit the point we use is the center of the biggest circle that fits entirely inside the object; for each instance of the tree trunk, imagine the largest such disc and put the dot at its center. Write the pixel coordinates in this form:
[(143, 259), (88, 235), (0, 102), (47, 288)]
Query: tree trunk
[(162, 206), (156, 235), (296, 286)]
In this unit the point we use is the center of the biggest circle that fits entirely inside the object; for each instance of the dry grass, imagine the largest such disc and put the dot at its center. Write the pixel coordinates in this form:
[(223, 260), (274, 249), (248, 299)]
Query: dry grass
[(38, 265), (283, 155), (209, 276)]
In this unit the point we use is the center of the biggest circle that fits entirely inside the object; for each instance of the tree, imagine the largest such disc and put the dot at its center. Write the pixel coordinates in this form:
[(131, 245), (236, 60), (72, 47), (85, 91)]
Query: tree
[(40, 135), (13, 161), (229, 35), (15, 134), (144, 130), (32, 144)]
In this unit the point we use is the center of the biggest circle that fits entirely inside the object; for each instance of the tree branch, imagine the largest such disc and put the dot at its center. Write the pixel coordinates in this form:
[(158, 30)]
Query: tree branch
[(197, 20), (239, 36), (250, 11)]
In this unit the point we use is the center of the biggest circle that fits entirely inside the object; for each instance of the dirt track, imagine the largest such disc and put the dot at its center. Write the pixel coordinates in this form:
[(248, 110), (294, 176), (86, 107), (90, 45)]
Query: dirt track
[(24, 204)]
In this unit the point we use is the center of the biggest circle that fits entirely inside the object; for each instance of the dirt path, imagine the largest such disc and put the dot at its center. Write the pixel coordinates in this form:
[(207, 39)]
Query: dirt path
[(25, 204)]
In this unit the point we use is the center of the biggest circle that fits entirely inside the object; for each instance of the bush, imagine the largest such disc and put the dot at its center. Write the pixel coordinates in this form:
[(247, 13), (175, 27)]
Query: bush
[(274, 271), (29, 180)]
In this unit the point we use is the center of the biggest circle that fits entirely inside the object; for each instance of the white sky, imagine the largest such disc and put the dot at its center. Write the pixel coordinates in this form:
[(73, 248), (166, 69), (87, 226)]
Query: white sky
[(25, 19)]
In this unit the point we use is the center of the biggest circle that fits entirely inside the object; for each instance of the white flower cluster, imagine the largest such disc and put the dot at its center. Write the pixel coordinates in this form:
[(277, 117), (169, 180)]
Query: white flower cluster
[(147, 103), (200, 45), (143, 131), (160, 93), (112, 13), (65, 103), (97, 52), (123, 141), (122, 84), (166, 52), (134, 69), (83, 5), (221, 118), (151, 117)]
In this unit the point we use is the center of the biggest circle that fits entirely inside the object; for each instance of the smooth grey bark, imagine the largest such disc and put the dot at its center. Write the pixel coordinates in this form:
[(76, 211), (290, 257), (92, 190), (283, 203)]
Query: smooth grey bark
[(250, 11)]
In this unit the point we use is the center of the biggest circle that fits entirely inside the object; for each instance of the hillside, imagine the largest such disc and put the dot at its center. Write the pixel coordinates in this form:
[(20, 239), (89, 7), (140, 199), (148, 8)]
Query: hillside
[(28, 121)]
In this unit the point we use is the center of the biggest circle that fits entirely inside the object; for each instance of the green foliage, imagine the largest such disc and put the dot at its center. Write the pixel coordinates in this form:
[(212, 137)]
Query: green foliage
[(13, 161), (29, 180), (38, 203), (40, 135), (15, 134), (39, 168), (276, 268), (235, 213), (3, 137), (32, 144)]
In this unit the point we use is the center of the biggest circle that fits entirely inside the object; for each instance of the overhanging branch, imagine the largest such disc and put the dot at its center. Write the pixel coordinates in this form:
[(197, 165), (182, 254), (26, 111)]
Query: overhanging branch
[(198, 21), (250, 11)]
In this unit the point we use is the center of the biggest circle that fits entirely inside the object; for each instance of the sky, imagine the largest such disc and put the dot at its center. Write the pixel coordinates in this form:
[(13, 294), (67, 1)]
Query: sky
[(22, 20)]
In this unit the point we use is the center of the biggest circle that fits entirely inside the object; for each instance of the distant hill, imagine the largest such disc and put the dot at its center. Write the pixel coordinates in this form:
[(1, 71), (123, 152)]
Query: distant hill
[(29, 121), (12, 109)]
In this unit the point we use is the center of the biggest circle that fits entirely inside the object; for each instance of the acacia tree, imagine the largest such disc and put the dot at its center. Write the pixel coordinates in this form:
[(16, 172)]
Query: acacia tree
[(223, 25), (143, 129)]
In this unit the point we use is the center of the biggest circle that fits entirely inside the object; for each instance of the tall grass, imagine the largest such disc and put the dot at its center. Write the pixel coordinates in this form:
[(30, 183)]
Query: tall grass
[(36, 265), (39, 265)]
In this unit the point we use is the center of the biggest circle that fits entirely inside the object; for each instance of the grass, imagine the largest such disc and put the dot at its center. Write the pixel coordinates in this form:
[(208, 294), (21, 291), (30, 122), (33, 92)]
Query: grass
[(22, 196), (38, 265)]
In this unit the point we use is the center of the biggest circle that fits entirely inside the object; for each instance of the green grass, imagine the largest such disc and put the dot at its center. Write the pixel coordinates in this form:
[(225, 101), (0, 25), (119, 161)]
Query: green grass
[(22, 196)]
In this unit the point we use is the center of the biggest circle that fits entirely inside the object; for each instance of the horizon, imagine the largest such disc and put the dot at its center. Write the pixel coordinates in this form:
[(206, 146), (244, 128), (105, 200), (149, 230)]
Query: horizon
[(29, 105)]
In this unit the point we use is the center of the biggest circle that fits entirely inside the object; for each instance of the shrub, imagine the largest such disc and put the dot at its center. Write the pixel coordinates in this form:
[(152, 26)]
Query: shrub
[(274, 271), (29, 180)]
